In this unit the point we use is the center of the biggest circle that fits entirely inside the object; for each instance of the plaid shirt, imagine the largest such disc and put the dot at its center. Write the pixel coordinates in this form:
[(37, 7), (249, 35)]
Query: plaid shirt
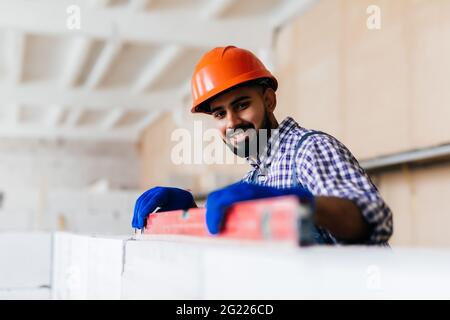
[(325, 167)]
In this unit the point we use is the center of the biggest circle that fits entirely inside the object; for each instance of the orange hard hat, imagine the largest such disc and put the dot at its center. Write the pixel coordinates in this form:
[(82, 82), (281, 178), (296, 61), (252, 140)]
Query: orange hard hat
[(223, 68)]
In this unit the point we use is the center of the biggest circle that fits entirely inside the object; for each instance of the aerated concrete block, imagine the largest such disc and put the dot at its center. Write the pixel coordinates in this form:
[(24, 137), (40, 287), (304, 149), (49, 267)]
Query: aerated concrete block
[(326, 273), (157, 269), (25, 260), (86, 267), (25, 294)]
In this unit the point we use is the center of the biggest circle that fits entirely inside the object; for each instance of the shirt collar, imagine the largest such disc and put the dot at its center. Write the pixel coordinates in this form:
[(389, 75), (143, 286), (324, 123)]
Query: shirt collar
[(277, 137)]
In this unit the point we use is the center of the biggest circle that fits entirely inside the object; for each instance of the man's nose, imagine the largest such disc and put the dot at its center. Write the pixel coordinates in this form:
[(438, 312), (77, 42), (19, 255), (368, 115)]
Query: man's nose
[(233, 120)]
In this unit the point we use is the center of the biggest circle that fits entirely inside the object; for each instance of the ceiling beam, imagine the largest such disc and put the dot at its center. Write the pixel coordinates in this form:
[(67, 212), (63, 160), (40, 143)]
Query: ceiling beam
[(181, 94), (109, 53), (114, 116), (91, 134), (157, 67), (16, 41), (54, 115), (137, 5), (146, 26), (79, 53), (74, 117), (103, 63), (112, 119), (146, 121), (45, 94), (170, 53), (216, 8), (98, 3), (288, 10)]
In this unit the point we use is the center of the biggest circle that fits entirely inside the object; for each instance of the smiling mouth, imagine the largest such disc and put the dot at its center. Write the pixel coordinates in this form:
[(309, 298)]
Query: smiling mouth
[(239, 135)]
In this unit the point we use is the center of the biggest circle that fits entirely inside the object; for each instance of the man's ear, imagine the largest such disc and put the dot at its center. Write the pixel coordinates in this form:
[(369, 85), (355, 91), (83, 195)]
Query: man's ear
[(270, 99)]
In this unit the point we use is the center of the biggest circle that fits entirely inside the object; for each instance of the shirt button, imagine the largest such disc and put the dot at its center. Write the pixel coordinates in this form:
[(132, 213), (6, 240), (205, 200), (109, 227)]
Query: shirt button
[(262, 178)]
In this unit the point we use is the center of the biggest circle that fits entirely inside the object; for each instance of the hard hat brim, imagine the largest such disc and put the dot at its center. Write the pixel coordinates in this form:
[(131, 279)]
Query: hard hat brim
[(202, 105)]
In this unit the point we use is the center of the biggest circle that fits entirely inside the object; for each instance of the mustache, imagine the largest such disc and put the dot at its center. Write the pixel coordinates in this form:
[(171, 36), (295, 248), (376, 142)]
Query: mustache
[(234, 131)]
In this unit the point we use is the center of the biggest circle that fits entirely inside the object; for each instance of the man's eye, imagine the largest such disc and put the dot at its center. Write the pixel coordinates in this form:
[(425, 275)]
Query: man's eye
[(219, 114), (242, 105)]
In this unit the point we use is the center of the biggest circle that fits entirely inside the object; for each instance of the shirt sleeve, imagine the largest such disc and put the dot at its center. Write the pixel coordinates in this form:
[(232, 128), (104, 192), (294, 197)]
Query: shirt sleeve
[(329, 169)]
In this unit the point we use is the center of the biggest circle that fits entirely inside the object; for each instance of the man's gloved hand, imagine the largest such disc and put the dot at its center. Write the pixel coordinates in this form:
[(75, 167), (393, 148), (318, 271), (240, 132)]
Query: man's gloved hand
[(166, 198), (219, 201)]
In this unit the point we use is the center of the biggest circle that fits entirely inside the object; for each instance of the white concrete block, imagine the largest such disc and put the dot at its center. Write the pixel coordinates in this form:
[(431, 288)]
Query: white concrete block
[(326, 273), (105, 268), (253, 273), (176, 267), (156, 269), (87, 267), (25, 260), (25, 294), (70, 266)]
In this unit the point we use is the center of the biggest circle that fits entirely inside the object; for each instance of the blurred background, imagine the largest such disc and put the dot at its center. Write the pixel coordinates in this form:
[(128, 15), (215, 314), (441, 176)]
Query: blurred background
[(91, 91)]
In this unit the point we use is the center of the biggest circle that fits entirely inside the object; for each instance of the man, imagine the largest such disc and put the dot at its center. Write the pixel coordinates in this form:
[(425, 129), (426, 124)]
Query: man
[(235, 88)]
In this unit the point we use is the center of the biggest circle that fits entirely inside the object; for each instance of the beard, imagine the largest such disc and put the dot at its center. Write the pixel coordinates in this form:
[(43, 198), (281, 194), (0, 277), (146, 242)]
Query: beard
[(245, 141)]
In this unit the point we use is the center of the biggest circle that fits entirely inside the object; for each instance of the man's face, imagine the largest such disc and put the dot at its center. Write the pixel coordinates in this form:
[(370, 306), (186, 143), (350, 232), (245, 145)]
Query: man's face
[(239, 115)]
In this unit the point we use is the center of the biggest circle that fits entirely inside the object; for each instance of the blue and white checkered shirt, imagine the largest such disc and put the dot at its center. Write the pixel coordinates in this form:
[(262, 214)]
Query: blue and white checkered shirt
[(326, 167)]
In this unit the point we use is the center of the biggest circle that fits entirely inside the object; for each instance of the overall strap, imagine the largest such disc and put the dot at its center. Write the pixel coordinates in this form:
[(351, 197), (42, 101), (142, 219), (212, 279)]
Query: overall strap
[(318, 235), (253, 176), (295, 182)]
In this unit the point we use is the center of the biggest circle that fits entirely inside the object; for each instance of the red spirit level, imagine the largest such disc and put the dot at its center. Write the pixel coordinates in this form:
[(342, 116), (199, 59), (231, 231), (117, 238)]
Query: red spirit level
[(273, 219)]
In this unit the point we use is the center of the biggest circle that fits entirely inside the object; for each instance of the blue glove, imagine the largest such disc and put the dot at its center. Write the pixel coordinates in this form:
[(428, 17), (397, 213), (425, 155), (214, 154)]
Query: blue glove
[(219, 201), (166, 198)]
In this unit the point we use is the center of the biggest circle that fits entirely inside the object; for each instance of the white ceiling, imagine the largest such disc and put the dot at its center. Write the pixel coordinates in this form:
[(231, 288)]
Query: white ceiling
[(129, 61)]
